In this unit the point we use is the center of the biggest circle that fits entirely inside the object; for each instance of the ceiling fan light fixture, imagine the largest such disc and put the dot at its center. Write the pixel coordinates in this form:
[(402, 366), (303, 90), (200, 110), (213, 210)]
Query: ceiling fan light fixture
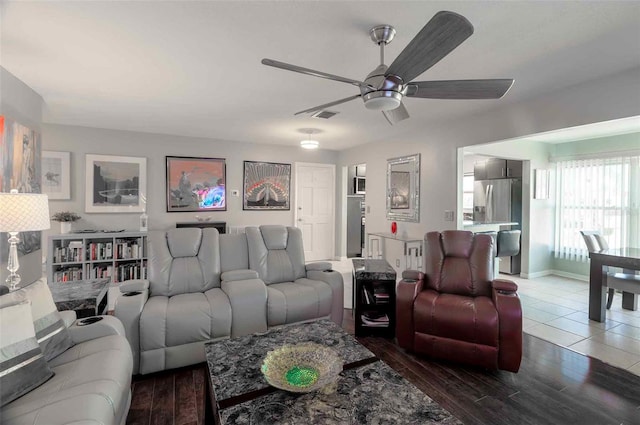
[(309, 144), (382, 100)]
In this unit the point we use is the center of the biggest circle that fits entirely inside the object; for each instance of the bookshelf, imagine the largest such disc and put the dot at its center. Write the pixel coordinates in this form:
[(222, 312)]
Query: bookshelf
[(117, 256), (374, 293)]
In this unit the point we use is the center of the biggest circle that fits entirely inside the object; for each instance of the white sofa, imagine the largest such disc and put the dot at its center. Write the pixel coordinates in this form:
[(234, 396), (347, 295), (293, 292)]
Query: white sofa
[(92, 381)]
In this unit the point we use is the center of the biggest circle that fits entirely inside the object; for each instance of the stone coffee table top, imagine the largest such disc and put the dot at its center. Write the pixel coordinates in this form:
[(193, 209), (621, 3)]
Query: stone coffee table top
[(370, 394), (234, 364)]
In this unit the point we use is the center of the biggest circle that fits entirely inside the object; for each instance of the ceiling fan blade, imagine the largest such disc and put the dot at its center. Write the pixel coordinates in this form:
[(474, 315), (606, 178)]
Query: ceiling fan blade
[(312, 72), (396, 115), (326, 105), (460, 89), (443, 33)]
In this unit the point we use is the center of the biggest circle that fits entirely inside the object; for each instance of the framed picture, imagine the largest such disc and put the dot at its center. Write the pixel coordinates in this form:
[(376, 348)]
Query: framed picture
[(19, 169), (56, 180), (115, 184), (400, 183), (266, 186), (196, 184)]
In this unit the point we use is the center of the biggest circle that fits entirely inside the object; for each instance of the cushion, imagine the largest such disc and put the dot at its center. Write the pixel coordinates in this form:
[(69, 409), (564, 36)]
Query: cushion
[(22, 365), (51, 333)]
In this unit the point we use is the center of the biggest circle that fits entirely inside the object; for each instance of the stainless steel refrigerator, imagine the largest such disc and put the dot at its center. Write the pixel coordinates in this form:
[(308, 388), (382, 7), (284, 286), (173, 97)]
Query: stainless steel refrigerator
[(355, 226), (499, 200)]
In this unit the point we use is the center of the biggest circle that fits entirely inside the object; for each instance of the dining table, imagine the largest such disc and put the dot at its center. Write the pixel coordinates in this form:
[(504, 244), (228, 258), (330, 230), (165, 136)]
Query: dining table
[(626, 258)]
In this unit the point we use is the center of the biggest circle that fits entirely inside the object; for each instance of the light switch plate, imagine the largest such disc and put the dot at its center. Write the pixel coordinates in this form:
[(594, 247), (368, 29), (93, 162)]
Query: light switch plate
[(448, 215)]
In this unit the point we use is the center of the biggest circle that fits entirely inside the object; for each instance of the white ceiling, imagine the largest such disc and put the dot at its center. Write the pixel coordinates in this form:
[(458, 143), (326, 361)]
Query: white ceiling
[(193, 68)]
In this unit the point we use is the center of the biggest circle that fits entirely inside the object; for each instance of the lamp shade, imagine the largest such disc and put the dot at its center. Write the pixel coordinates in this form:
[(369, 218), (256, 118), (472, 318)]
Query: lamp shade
[(22, 212)]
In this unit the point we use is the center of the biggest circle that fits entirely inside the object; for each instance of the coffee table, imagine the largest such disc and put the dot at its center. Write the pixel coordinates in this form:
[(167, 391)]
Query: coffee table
[(368, 391), (86, 297)]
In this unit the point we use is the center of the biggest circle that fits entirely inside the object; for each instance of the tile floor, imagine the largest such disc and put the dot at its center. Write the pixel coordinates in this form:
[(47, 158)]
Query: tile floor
[(556, 309)]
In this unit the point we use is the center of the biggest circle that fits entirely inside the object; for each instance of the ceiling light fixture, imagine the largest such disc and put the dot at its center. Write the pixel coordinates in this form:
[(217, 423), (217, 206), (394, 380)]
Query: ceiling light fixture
[(308, 143)]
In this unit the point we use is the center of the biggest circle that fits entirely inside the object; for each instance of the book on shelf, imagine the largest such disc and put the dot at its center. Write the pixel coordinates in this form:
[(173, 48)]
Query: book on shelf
[(375, 319)]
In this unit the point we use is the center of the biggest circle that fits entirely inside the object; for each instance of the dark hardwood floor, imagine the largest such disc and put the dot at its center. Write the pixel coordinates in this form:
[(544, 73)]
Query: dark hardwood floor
[(554, 386)]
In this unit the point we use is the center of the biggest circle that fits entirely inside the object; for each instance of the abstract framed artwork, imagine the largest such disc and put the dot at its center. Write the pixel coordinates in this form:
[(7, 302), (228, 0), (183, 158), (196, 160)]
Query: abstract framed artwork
[(56, 174), (266, 186), (115, 184), (20, 169), (196, 184)]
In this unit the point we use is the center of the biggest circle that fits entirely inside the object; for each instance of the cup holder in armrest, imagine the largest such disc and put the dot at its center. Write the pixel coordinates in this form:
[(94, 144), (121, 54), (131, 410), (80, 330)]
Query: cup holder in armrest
[(131, 294), (328, 270), (89, 320)]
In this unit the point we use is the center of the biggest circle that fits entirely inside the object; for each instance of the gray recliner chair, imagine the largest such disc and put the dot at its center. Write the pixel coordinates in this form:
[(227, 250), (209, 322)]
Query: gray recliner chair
[(296, 292)]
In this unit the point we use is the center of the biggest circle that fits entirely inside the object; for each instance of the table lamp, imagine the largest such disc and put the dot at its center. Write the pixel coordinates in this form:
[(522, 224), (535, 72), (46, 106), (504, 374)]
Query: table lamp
[(21, 212)]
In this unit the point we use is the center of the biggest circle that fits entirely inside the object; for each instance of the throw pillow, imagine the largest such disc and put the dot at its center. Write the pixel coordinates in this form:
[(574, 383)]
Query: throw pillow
[(51, 333), (22, 365)]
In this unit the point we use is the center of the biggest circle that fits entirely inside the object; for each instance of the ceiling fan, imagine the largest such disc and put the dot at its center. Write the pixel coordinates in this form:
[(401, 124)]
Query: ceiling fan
[(386, 86)]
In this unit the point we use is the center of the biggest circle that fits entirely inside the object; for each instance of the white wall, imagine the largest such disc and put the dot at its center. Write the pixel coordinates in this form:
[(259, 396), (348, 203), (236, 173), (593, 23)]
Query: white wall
[(81, 140), (20, 103), (594, 101)]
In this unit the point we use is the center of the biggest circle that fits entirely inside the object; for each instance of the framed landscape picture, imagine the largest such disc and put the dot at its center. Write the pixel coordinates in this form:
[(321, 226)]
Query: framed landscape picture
[(266, 186), (56, 180), (115, 184), (196, 184)]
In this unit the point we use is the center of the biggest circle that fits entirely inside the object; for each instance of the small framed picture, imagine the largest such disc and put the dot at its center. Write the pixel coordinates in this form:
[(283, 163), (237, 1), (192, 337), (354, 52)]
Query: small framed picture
[(196, 184), (56, 174), (115, 184), (266, 186)]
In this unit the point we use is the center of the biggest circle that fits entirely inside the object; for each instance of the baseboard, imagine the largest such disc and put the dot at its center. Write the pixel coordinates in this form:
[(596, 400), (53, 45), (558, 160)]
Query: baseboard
[(536, 274), (570, 275)]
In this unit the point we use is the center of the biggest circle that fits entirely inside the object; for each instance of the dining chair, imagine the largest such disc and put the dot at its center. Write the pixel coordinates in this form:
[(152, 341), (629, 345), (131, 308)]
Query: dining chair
[(627, 281)]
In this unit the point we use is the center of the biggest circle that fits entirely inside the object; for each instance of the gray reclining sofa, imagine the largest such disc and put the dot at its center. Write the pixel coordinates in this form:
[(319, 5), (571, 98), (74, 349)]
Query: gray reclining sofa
[(205, 286)]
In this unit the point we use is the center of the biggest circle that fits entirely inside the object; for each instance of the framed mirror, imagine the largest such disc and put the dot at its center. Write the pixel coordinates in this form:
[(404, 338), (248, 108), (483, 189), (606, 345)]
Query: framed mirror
[(403, 188)]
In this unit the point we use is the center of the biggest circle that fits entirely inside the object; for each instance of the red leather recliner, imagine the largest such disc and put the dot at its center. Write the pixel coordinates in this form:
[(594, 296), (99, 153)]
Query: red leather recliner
[(455, 310)]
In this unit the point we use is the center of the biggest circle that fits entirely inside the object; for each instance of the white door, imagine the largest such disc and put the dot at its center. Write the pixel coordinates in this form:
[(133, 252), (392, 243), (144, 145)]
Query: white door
[(315, 209)]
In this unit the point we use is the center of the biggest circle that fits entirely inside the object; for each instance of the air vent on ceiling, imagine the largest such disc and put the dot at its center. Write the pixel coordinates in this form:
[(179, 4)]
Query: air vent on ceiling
[(324, 114)]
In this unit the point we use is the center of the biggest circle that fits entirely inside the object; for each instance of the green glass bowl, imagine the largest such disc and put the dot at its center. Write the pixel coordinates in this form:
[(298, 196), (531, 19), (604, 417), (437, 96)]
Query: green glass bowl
[(301, 368)]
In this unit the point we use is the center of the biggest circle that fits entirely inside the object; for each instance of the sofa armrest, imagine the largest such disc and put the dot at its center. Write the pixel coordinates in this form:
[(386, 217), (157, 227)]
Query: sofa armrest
[(504, 286), (107, 325), (320, 266), (336, 283), (68, 317), (507, 303), (248, 300), (415, 275), (406, 292), (134, 285), (128, 309), (235, 275)]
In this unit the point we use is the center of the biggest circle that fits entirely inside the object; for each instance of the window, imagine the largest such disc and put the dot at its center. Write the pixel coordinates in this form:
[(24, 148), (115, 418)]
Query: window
[(597, 194)]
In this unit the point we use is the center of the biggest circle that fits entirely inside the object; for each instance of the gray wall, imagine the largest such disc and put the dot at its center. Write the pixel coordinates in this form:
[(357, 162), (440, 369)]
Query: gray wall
[(20, 103), (595, 101), (81, 140)]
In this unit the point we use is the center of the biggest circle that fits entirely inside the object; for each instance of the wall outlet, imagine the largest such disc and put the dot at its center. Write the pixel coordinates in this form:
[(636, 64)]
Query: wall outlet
[(448, 215), (235, 192), (397, 263)]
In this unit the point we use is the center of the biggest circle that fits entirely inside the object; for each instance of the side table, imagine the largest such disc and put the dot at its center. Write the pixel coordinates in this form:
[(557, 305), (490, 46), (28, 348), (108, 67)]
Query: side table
[(374, 297), (85, 297)]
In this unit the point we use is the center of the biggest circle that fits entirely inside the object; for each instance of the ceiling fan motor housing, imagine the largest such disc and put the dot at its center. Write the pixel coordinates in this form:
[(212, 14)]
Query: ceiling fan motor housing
[(388, 94)]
